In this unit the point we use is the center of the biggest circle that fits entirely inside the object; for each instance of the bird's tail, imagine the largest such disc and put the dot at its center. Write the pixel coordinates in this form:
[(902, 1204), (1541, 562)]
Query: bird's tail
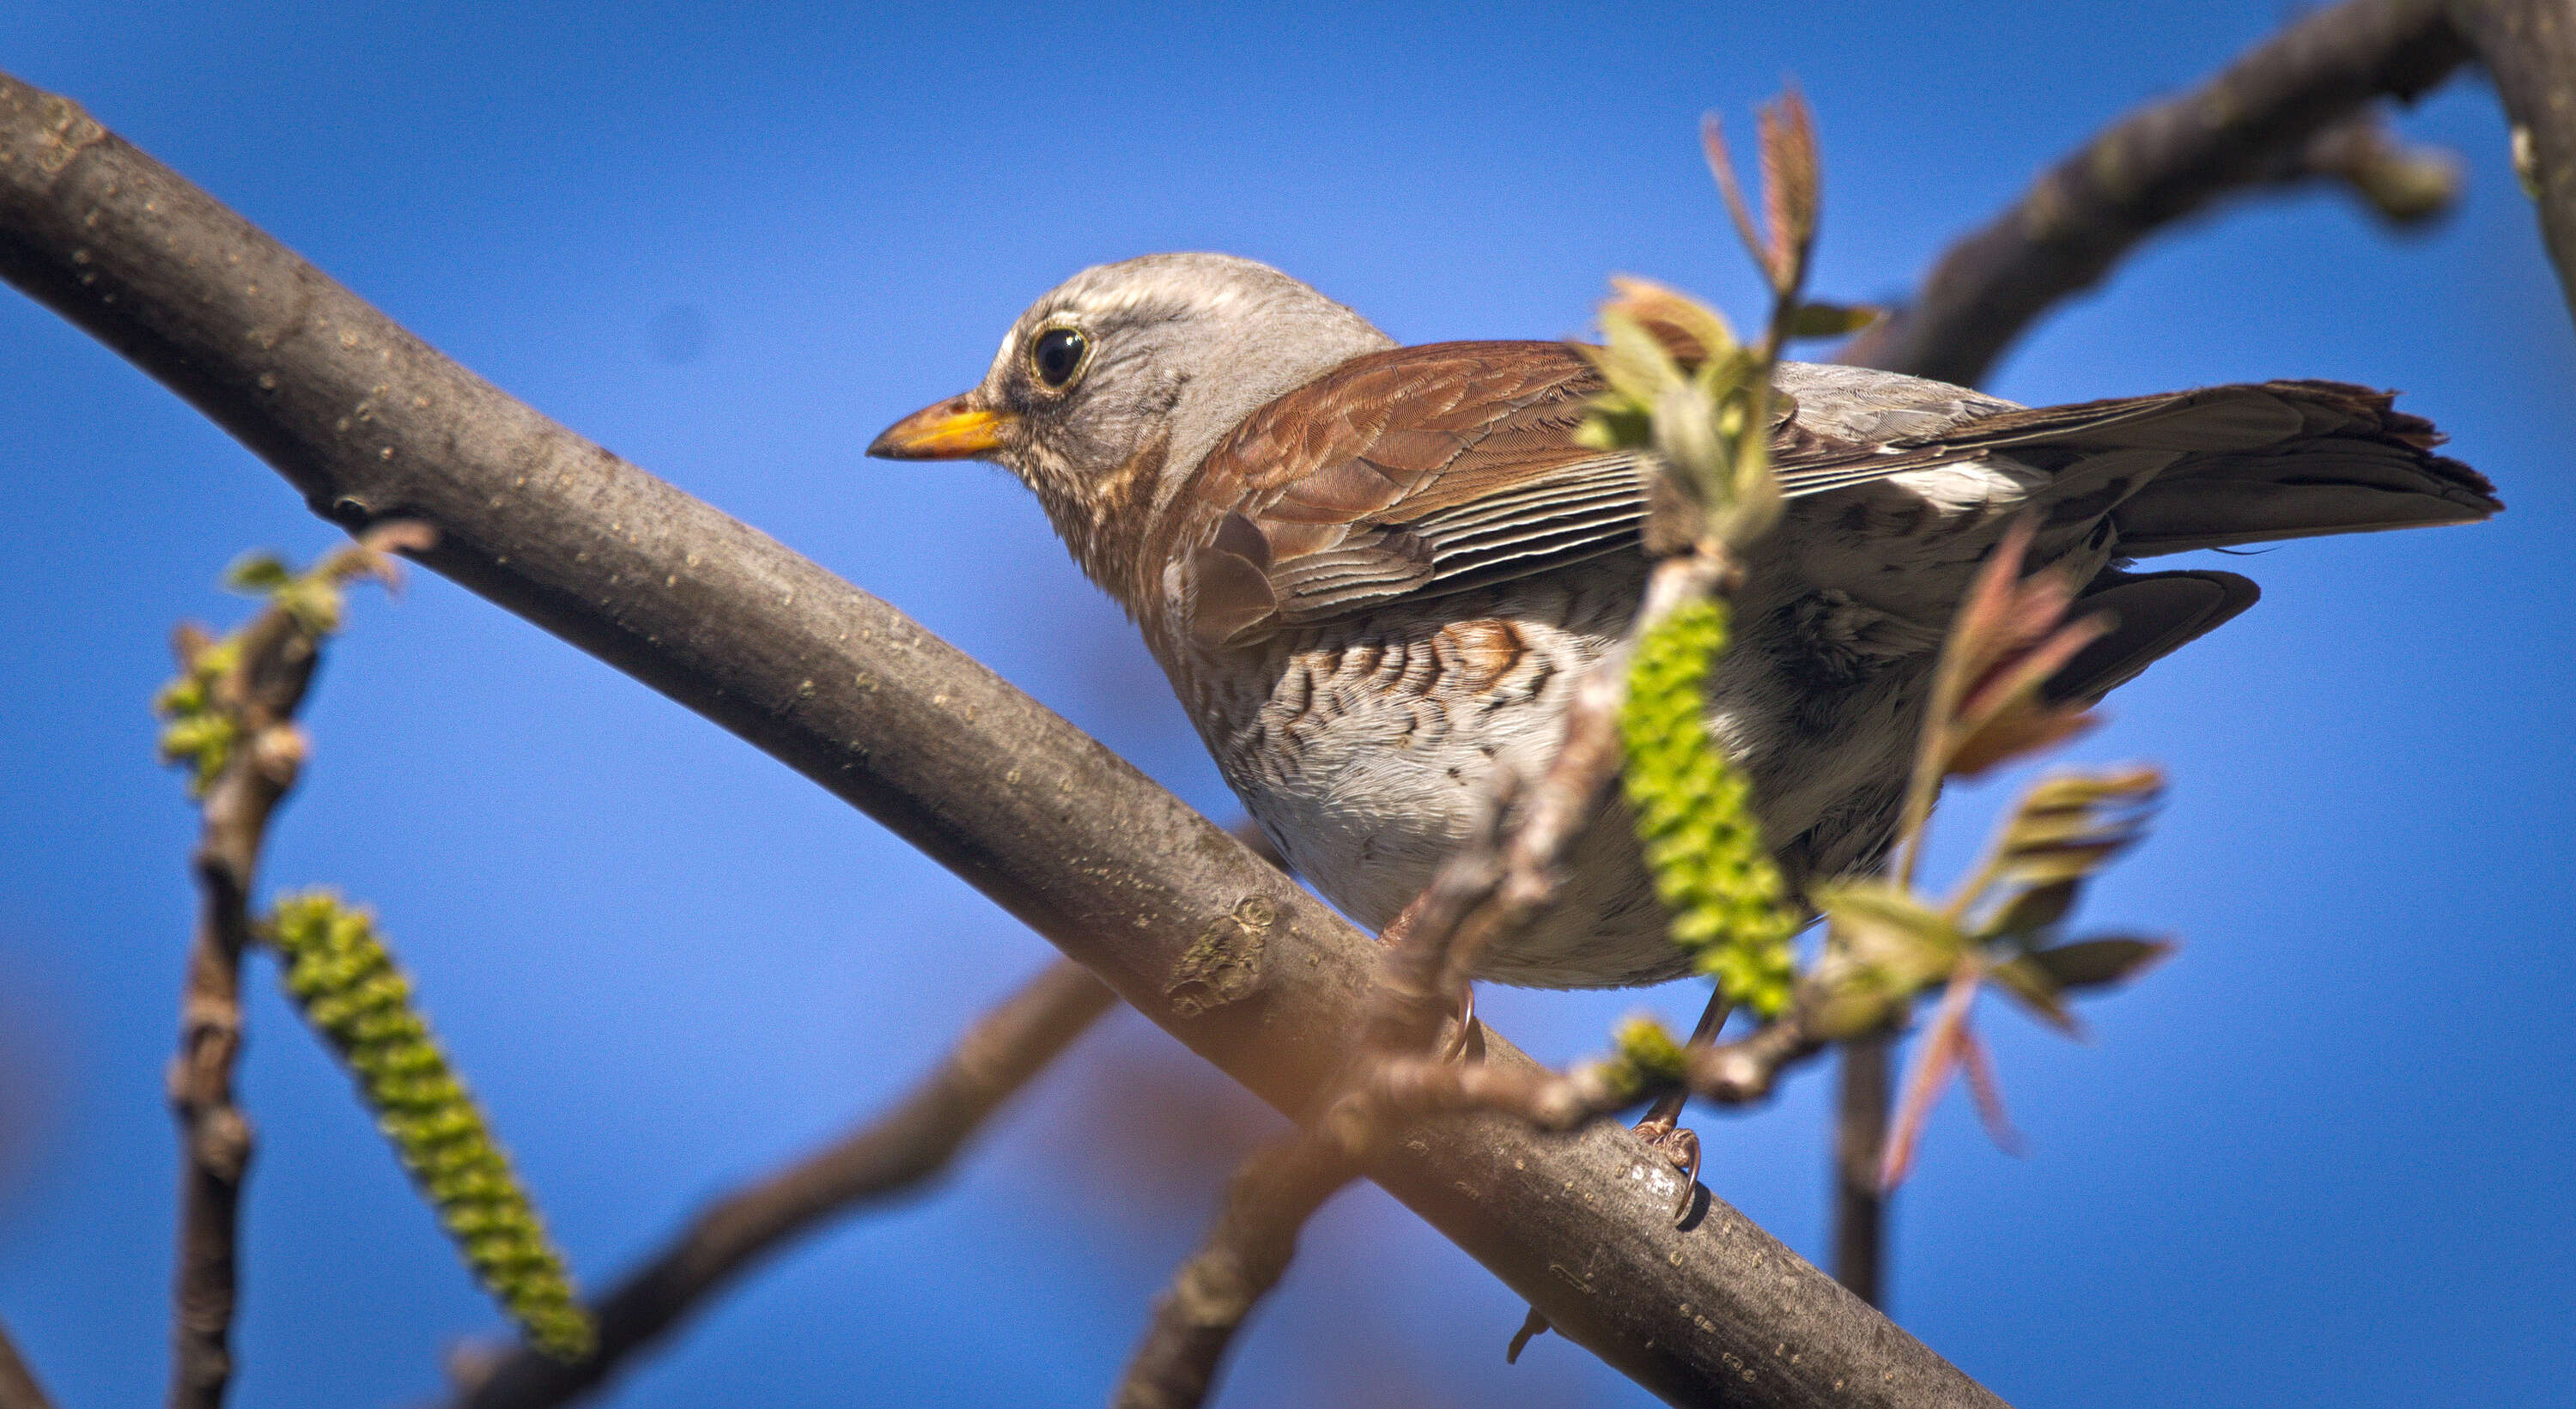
[(2257, 464), (2240, 464)]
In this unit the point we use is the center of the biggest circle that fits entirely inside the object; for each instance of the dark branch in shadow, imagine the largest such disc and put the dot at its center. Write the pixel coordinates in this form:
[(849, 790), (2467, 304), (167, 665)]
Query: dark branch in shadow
[(887, 1156), (1860, 1144), (18, 1387), (2284, 112), (2529, 48)]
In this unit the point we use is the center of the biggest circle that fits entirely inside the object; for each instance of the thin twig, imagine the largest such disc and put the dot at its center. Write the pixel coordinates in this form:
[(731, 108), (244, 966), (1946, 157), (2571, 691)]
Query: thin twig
[(18, 1386), (1565, 798), (1860, 1146), (259, 694), (1245, 1253), (1502, 877), (1494, 885), (2240, 131), (1274, 1191), (1497, 882), (888, 1155), (1739, 1073), (1745, 1070)]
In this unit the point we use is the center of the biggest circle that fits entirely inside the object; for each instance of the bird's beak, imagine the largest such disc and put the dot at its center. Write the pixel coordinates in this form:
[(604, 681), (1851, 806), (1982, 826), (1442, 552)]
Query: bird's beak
[(955, 429)]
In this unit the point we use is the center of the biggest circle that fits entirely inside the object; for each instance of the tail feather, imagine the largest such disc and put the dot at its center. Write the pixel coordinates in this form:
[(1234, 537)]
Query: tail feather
[(2153, 614), (2109, 481), (2289, 460)]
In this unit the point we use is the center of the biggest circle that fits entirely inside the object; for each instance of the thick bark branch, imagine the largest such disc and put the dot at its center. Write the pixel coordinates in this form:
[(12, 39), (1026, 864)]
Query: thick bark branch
[(887, 1156), (2529, 46), (2168, 160), (1215, 946)]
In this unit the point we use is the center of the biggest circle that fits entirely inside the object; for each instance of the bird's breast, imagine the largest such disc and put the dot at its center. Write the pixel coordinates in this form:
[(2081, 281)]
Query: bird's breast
[(1362, 745)]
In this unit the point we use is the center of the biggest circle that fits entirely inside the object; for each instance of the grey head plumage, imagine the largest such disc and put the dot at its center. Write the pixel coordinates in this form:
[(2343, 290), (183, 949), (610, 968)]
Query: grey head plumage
[(1121, 378)]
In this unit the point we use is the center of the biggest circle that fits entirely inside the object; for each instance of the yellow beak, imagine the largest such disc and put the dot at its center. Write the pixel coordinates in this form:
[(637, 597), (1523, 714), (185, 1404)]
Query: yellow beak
[(954, 429)]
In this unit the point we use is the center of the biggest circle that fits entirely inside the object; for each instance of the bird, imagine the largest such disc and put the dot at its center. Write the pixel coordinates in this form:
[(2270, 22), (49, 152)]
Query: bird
[(1374, 573)]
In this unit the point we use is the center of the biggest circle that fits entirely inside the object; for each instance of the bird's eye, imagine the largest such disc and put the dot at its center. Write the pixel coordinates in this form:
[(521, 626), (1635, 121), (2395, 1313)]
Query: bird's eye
[(1057, 355)]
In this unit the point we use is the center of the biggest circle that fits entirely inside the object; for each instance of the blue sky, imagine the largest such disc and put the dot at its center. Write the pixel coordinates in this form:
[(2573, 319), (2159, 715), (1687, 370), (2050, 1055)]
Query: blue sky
[(2320, 1157)]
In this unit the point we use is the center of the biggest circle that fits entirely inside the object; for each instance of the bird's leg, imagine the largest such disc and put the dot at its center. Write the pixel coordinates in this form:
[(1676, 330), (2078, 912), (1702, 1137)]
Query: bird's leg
[(1462, 1037), (1662, 1127)]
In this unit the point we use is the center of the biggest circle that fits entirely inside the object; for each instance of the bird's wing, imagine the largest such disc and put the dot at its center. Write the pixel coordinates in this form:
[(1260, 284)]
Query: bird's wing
[(1413, 472), (1416, 471), (1422, 471)]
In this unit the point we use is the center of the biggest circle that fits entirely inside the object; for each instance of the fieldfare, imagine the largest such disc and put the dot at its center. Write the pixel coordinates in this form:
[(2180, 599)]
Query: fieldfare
[(1374, 573)]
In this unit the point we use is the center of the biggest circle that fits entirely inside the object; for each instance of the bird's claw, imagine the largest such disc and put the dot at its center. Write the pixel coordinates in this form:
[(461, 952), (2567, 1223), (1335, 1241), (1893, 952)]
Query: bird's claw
[(1679, 1144), (1466, 1037)]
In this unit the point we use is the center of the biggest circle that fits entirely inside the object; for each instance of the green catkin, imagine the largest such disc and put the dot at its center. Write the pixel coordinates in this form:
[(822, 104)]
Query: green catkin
[(351, 991), (200, 734), (1643, 1054), (1695, 817)]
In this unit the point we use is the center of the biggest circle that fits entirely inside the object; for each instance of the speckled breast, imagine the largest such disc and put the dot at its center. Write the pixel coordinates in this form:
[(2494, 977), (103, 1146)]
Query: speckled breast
[(1361, 746)]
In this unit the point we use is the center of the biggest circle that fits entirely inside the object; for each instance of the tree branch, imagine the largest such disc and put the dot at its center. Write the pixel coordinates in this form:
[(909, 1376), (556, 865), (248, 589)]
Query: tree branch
[(2529, 47), (2255, 124), (1860, 1144), (1243, 1256), (886, 1156), (257, 694), (18, 1387), (1218, 948)]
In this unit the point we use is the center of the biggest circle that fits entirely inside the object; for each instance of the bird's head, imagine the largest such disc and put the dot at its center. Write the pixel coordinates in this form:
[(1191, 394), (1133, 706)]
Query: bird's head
[(1109, 390)]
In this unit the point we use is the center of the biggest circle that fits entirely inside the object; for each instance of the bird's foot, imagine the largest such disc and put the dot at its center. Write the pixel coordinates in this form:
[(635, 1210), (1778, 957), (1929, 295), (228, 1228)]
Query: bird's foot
[(1663, 1129), (1678, 1143), (1466, 1038)]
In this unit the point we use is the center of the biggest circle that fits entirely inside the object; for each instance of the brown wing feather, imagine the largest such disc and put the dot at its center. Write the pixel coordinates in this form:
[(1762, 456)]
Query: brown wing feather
[(1347, 481), (1424, 470)]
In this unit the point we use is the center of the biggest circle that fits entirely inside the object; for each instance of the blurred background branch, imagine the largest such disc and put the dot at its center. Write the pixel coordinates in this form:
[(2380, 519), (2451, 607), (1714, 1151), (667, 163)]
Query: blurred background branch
[(1240, 1261), (891, 1154), (2298, 109), (18, 1386), (2285, 113)]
